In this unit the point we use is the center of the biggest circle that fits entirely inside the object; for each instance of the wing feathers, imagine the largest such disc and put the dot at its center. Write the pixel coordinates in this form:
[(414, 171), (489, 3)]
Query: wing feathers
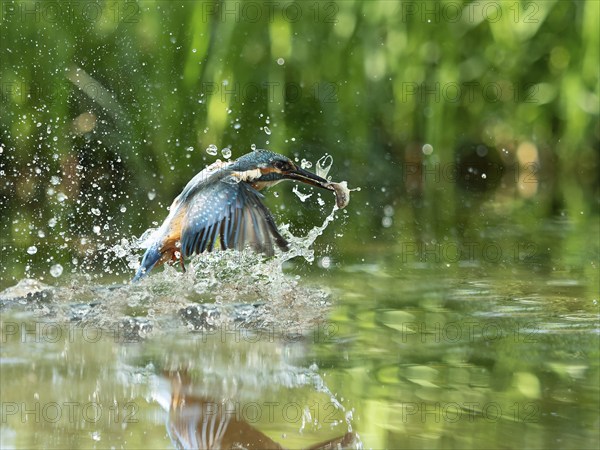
[(232, 212)]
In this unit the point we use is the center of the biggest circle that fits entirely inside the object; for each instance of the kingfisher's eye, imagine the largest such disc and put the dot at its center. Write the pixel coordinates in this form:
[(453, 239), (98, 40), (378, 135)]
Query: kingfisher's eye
[(281, 165)]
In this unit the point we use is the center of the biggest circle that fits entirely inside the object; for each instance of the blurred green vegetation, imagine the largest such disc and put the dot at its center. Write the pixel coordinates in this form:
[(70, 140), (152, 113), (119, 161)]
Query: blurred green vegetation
[(108, 107)]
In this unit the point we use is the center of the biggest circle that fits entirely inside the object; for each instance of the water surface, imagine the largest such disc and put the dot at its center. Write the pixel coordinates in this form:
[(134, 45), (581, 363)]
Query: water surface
[(392, 352)]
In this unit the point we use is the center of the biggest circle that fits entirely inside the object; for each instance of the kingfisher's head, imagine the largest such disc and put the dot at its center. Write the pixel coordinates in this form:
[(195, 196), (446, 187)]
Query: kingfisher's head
[(263, 168)]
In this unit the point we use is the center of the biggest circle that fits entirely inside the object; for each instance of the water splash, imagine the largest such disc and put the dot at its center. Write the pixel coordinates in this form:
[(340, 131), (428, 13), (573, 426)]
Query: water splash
[(303, 197), (302, 246), (220, 287), (324, 165), (220, 278)]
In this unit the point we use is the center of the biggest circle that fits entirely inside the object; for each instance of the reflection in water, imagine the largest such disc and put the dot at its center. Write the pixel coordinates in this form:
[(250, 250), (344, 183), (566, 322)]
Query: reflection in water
[(66, 386), (199, 422), (241, 388)]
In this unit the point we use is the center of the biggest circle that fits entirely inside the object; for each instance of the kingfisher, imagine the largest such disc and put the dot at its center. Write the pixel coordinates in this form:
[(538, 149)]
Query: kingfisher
[(224, 202)]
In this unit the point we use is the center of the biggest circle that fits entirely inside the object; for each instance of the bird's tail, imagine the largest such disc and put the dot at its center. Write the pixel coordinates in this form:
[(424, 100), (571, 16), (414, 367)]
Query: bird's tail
[(151, 257)]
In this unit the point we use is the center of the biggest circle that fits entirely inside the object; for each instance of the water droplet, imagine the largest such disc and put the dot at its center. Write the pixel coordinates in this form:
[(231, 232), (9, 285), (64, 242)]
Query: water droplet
[(96, 211), (304, 164), (194, 50), (427, 149), (280, 61), (52, 222), (151, 195), (237, 126), (190, 149), (324, 165), (212, 149), (123, 209), (61, 197), (253, 147), (325, 262), (32, 250), (54, 180), (56, 270), (226, 152), (267, 130)]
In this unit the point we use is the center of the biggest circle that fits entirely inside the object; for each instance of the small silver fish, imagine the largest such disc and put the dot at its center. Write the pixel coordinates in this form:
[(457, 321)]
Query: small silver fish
[(342, 193)]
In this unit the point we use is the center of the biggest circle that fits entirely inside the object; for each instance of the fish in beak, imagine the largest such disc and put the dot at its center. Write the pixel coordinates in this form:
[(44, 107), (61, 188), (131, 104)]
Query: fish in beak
[(342, 193)]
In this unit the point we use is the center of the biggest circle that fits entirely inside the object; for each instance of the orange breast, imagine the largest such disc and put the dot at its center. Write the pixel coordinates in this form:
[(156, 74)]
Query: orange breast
[(172, 237)]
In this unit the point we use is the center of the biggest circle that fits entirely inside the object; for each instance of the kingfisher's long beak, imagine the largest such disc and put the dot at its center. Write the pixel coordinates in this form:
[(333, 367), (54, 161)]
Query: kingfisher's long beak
[(309, 178)]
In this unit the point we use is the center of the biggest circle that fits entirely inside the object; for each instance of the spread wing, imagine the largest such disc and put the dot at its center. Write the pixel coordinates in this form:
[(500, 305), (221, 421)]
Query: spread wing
[(233, 212)]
